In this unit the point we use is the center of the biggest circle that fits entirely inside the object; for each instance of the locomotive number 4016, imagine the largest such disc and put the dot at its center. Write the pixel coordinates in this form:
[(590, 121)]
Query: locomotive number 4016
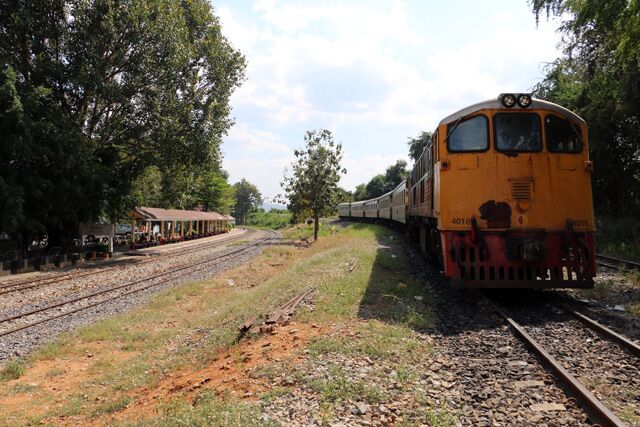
[(461, 221), (580, 222)]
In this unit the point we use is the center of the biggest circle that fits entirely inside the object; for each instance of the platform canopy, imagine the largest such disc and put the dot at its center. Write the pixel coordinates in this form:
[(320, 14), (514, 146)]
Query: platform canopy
[(160, 214)]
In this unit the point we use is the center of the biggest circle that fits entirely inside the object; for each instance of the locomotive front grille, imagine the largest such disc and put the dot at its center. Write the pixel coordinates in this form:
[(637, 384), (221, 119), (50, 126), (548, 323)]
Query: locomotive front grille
[(521, 189)]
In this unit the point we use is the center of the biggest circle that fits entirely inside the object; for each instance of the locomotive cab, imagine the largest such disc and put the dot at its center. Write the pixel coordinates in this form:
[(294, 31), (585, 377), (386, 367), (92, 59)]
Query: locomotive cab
[(512, 195)]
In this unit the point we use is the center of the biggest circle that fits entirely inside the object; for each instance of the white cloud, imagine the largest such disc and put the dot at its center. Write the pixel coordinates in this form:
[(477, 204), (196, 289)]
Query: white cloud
[(266, 174), (368, 71), (255, 140), (361, 169)]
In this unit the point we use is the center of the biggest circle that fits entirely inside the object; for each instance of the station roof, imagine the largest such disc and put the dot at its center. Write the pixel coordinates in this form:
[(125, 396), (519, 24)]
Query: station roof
[(160, 214)]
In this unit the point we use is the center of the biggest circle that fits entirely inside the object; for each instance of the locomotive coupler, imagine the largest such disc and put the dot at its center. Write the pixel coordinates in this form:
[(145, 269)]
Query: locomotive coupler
[(525, 249), (568, 236), (475, 231), (477, 240), (532, 250)]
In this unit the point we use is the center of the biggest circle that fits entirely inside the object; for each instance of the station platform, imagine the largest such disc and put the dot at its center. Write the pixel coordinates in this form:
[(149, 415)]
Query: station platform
[(173, 247)]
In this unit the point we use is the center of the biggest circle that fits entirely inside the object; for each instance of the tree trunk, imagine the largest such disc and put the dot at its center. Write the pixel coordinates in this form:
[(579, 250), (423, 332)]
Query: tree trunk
[(316, 226)]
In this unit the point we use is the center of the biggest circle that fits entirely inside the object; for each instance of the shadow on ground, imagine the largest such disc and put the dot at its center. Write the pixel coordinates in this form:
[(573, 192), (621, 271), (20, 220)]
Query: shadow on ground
[(406, 287)]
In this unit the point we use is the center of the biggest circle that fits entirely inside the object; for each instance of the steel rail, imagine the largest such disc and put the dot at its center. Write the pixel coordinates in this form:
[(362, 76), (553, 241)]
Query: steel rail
[(15, 287), (629, 345), (66, 313), (617, 263), (594, 407)]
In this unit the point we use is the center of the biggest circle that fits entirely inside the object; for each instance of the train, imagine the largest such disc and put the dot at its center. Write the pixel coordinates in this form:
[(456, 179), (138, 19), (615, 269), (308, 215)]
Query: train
[(501, 196)]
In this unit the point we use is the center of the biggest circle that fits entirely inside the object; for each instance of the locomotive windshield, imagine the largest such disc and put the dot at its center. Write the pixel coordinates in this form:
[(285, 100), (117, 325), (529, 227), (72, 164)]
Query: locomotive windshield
[(562, 135), (517, 132), (469, 135)]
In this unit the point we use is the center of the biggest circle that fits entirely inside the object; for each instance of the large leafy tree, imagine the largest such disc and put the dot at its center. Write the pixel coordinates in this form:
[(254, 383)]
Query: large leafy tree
[(376, 186), (98, 91), (247, 199), (360, 193), (599, 78), (418, 144), (382, 183), (215, 193), (394, 175), (312, 188), (185, 188), (344, 196)]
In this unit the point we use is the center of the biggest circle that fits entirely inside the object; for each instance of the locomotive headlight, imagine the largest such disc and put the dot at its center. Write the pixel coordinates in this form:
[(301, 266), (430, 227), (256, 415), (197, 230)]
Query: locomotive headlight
[(524, 100), (508, 100)]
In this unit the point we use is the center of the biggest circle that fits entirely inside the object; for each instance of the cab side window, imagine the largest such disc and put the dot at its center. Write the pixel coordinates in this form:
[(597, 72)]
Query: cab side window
[(469, 135), (562, 135)]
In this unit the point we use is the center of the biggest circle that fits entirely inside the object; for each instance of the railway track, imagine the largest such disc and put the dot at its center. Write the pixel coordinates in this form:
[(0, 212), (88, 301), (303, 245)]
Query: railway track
[(616, 263), (8, 288), (15, 323), (533, 335)]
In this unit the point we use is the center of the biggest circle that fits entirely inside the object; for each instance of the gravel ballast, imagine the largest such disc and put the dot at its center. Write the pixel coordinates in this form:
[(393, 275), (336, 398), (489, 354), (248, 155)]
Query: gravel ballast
[(20, 343)]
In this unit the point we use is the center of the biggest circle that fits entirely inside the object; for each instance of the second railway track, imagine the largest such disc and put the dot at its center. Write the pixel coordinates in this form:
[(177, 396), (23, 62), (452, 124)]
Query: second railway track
[(8, 288), (596, 365), (616, 263), (16, 322)]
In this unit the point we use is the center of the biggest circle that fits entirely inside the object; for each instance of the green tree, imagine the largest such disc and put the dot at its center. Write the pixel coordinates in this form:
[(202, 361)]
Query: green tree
[(394, 175), (360, 193), (147, 188), (344, 196), (382, 183), (247, 199), (598, 77), (103, 89), (418, 144), (376, 186), (313, 186), (215, 193)]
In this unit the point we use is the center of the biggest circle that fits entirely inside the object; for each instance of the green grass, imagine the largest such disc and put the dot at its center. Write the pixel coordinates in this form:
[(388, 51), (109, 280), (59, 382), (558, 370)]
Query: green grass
[(336, 386), (55, 372), (12, 370), (112, 406), (207, 410), (305, 231), (376, 340), (274, 219), (619, 237), (274, 393), (20, 388)]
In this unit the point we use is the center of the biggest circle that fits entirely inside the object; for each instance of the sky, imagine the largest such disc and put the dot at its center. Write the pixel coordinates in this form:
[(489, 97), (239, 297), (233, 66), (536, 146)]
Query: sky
[(374, 73)]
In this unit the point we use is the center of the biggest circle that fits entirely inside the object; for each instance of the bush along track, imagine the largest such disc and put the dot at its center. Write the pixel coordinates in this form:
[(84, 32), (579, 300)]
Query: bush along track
[(378, 341)]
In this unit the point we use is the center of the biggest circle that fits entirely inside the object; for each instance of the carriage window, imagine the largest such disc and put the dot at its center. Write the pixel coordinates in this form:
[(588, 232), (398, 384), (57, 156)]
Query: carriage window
[(562, 135), (517, 132), (469, 135)]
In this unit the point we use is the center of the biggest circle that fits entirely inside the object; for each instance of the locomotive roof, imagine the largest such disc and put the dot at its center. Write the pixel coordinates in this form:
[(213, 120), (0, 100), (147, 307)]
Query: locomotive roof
[(497, 105)]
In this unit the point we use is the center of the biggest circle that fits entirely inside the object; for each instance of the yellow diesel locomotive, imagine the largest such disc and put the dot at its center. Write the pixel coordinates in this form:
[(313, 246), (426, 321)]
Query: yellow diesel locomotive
[(502, 194)]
